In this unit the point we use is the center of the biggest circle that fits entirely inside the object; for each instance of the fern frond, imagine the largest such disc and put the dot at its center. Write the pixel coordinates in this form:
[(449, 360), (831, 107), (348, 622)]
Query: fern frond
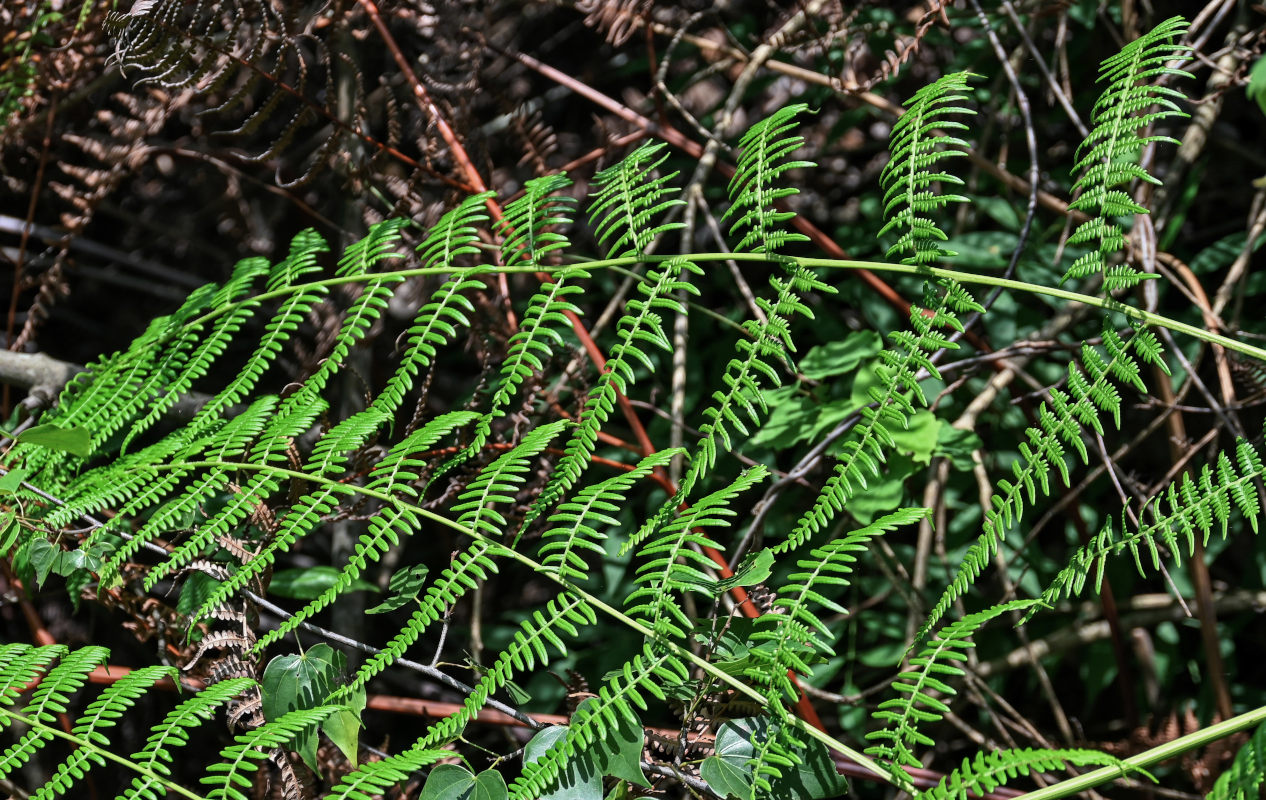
[(575, 523), (1104, 159), (300, 261), (1192, 509), (210, 346), (627, 197), (908, 185), (173, 732), (902, 716), (675, 566), (394, 476), (531, 644), (373, 779), (436, 323), (863, 451), (1243, 780), (754, 188), (101, 714), (1060, 420), (648, 672), (916, 144), (242, 758), (22, 664), (358, 259), (463, 574), (527, 228), (992, 769), (791, 632), (527, 225)]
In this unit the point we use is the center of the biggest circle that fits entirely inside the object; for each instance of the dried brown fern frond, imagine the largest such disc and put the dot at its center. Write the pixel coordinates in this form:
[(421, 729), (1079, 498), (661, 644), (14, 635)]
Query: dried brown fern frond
[(287, 68), (617, 19)]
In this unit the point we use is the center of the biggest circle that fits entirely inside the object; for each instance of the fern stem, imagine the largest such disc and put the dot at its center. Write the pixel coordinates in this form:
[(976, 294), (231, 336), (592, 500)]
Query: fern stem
[(1107, 303), (1147, 758)]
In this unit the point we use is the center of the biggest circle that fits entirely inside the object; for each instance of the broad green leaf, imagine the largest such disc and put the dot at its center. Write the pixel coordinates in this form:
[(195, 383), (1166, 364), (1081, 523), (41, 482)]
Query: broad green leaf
[(77, 441), (729, 773), (42, 554), (11, 481), (309, 583), (451, 782), (728, 777), (842, 357), (619, 753), (404, 588), (918, 439), (581, 780), (298, 682), (343, 727), (1257, 83), (9, 530)]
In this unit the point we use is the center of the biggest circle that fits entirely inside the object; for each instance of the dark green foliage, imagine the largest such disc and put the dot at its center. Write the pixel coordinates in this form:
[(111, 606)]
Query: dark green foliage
[(506, 470)]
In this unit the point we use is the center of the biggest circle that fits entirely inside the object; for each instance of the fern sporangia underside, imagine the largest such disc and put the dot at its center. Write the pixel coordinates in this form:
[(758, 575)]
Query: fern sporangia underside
[(257, 472)]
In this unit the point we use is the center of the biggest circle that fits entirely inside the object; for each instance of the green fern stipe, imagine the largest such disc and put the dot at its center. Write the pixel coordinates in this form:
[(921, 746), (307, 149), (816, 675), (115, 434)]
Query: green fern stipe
[(1108, 158)]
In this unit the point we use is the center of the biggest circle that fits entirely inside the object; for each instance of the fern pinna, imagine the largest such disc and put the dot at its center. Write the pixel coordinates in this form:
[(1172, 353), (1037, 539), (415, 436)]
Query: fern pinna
[(518, 491)]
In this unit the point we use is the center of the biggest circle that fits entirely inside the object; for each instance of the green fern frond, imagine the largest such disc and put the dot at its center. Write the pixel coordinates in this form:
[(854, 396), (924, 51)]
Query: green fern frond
[(1107, 157), (791, 632), (1193, 508), (628, 197), (917, 142), (755, 186), (358, 259), (22, 664), (436, 323), (531, 644), (644, 325), (675, 565), (463, 574), (373, 779), (393, 476), (863, 452), (210, 346), (242, 759), (527, 228), (575, 523), (101, 714), (1243, 780), (1060, 422), (173, 732), (648, 672), (903, 716), (990, 770), (916, 146)]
